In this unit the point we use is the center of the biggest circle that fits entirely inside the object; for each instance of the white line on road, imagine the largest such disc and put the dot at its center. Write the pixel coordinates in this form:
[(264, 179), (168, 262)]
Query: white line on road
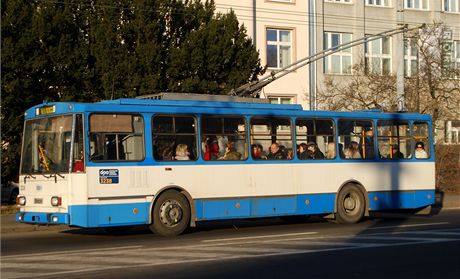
[(408, 226), (71, 252), (258, 237)]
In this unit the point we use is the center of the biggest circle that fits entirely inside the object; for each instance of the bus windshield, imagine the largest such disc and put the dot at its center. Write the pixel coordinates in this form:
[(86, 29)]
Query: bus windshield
[(48, 144)]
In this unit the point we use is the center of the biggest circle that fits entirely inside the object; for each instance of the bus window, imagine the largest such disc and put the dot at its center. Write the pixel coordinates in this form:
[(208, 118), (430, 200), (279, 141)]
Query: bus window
[(116, 137), (315, 139), (170, 134), (356, 139), (223, 138), (274, 136), (394, 139), (421, 132)]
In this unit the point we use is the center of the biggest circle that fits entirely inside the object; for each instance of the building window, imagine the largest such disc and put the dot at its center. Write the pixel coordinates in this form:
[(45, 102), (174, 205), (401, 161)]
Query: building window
[(410, 57), (416, 4), (282, 1), (382, 3), (339, 62), (456, 55), (281, 100), (378, 56), (339, 1), (279, 47), (451, 6)]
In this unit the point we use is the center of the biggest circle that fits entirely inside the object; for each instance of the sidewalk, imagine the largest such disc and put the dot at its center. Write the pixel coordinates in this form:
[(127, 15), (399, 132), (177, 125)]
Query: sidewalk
[(9, 225)]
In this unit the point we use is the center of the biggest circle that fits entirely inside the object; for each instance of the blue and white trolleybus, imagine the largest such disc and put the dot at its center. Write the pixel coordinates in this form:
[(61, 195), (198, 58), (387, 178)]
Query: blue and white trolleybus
[(169, 163)]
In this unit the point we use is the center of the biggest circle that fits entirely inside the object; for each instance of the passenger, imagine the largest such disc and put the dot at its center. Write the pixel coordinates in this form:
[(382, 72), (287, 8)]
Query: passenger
[(330, 153), (257, 152), (313, 152), (303, 151), (395, 153), (167, 154), (276, 153), (290, 153), (341, 151), (211, 149), (368, 146), (182, 153), (222, 143), (230, 153), (420, 152), (353, 151)]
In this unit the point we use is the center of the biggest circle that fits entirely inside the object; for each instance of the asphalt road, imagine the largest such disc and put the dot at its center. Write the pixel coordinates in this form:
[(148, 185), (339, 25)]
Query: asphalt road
[(403, 246)]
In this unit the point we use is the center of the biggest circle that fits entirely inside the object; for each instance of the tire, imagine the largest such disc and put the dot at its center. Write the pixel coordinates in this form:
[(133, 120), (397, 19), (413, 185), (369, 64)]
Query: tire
[(350, 205), (171, 214)]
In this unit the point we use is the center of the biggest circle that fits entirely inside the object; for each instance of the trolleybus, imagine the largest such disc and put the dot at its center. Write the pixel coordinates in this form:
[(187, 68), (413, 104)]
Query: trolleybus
[(170, 163)]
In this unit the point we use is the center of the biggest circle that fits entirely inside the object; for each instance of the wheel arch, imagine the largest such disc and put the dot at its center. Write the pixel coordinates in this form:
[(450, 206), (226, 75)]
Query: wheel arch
[(183, 192), (361, 188)]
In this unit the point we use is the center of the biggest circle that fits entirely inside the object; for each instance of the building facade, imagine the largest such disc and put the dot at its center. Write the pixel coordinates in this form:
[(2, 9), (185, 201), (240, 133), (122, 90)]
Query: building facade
[(285, 31)]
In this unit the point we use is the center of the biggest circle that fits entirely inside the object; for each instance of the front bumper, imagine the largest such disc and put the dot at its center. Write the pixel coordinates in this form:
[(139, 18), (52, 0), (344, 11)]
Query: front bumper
[(41, 218)]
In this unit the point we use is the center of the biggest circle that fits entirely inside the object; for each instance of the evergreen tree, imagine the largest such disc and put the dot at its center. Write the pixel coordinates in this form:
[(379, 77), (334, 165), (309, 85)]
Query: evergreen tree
[(91, 50)]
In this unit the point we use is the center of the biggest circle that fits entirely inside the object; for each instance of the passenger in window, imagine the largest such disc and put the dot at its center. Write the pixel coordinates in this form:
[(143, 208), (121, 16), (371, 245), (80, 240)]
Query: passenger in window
[(352, 151), (368, 146), (182, 153), (395, 153), (167, 153), (230, 153), (330, 152), (341, 151), (420, 152), (211, 148), (313, 152), (303, 151), (222, 143), (275, 152), (257, 152)]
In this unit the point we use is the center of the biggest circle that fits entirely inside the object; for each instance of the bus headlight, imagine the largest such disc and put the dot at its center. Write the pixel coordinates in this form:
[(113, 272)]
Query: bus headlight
[(21, 200), (56, 201)]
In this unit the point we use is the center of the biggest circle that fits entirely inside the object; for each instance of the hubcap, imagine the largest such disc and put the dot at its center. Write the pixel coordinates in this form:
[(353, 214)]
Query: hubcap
[(170, 213), (349, 203)]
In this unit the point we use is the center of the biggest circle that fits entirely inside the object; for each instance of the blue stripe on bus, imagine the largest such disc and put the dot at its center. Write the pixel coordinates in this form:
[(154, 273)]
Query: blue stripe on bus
[(264, 206), (401, 200), (106, 215)]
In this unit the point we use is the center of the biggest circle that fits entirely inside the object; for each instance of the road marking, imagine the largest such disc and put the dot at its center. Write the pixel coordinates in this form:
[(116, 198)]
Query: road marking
[(257, 237), (71, 252), (408, 226)]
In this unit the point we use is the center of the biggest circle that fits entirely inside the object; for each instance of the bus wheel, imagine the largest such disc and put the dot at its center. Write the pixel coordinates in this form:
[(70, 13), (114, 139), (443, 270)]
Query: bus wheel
[(171, 214), (350, 205)]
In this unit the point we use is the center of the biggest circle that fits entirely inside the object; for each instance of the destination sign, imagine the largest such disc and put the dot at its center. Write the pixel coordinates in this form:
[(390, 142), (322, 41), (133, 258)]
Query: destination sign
[(46, 110)]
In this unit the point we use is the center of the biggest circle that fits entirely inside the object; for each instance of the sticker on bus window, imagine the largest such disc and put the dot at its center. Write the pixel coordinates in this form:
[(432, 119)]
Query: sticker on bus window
[(108, 176)]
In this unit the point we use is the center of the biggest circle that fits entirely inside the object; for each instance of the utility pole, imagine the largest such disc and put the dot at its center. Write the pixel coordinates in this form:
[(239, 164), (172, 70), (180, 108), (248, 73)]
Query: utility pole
[(401, 100), (311, 52)]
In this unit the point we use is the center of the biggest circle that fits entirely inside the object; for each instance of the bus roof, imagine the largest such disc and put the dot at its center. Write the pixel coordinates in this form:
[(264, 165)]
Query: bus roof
[(126, 105)]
